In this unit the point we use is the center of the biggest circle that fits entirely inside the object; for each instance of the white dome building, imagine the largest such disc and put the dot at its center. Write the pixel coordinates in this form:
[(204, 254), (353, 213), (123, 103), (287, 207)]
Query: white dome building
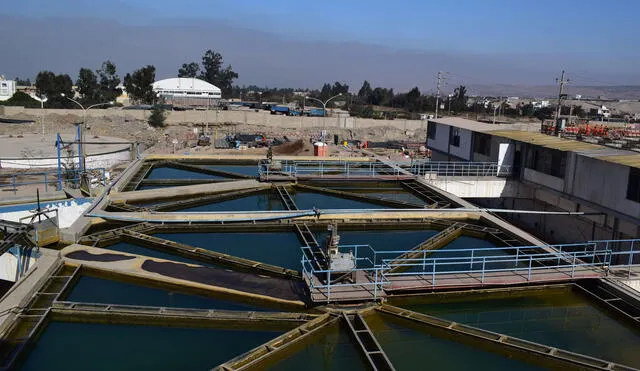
[(187, 91)]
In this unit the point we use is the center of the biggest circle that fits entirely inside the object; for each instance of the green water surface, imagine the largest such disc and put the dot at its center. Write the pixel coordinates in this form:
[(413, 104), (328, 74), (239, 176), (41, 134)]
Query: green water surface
[(255, 202), (99, 290), (410, 349), (558, 318), (331, 350), (171, 173), (87, 346), (276, 248)]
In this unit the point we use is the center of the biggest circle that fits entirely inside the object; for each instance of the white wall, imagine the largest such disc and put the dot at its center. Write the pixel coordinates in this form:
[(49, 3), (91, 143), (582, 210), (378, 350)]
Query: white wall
[(464, 150), (543, 179), (441, 141), (9, 264), (603, 183), (7, 89), (477, 188)]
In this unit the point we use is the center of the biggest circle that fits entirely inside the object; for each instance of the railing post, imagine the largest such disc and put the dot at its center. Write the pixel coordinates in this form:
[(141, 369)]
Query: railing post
[(630, 260), (328, 286), (375, 285), (517, 254), (529, 273), (471, 263), (484, 261), (424, 260), (433, 273)]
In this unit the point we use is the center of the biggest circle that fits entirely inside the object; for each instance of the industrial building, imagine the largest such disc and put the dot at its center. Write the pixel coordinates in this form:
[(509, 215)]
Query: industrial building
[(183, 91), (549, 173), (7, 88)]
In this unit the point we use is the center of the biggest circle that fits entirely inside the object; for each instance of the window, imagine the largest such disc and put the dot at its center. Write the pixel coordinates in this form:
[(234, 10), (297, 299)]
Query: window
[(548, 161), (633, 186), (431, 131), (4, 84), (482, 144), (455, 137)]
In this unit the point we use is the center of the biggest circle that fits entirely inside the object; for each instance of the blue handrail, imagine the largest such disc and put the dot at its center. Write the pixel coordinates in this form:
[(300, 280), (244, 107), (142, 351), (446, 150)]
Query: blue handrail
[(590, 255)]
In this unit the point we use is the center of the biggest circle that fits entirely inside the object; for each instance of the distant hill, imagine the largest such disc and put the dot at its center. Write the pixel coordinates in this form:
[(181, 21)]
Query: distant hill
[(551, 91)]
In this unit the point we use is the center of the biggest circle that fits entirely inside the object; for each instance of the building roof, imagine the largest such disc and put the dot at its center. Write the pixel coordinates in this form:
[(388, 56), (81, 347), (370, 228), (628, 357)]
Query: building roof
[(186, 84), (483, 127), (545, 140)]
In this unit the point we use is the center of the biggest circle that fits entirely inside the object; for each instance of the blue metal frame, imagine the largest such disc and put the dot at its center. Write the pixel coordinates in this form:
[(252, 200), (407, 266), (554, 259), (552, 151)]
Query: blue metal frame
[(47, 177), (321, 169), (447, 168)]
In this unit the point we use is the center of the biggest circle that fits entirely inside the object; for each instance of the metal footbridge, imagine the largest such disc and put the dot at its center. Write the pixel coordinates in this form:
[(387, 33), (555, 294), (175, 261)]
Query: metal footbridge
[(425, 268)]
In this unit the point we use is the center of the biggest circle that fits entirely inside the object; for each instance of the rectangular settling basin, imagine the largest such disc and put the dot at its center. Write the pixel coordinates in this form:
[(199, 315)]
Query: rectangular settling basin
[(560, 317)]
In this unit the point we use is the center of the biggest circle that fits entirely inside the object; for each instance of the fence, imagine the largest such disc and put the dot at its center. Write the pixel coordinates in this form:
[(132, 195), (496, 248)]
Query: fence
[(446, 169), (321, 169), (524, 261), (69, 178)]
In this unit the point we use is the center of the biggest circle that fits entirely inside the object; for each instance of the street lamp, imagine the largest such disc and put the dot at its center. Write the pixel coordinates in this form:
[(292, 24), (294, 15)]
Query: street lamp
[(84, 126), (324, 104)]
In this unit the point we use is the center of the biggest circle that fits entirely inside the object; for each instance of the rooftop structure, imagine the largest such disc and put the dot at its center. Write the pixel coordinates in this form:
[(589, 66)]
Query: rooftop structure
[(187, 91)]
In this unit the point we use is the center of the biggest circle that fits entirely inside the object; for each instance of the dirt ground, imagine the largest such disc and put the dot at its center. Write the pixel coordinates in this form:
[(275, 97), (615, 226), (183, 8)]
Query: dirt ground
[(181, 138)]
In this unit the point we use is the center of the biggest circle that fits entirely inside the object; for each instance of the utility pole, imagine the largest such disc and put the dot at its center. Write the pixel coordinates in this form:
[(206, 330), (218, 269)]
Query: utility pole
[(440, 78), (561, 94)]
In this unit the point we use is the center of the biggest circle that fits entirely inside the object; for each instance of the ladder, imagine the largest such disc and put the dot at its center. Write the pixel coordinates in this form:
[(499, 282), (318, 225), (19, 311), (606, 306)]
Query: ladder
[(368, 343), (286, 198), (312, 249), (437, 201)]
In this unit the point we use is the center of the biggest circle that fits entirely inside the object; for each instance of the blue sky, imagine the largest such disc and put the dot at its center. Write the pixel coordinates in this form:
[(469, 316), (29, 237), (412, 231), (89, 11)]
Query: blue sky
[(595, 39), (488, 26)]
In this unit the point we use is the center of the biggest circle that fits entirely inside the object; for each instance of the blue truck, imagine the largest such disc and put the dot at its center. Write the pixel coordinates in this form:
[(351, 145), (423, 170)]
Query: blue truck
[(284, 110), (315, 112)]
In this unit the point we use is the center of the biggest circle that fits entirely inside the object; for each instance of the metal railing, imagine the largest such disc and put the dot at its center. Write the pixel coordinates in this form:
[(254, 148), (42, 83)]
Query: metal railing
[(321, 279), (323, 169), (437, 268), (51, 178), (447, 169)]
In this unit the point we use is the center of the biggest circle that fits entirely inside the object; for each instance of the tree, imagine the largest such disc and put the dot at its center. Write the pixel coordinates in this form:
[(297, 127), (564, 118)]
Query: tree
[(459, 99), (339, 88), (88, 87), (109, 81), (52, 86), (156, 119), (21, 82), (214, 73), (326, 92), (189, 70), (578, 111), (413, 100), (139, 84), (381, 96), (21, 99), (544, 113), (365, 92)]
